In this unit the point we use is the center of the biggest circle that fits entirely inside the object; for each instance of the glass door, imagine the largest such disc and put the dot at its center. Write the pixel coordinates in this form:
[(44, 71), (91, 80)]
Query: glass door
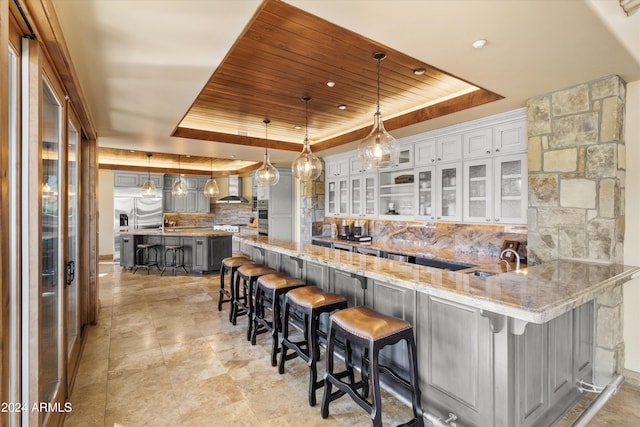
[(477, 191), (425, 190), (73, 319), (371, 195), (356, 196), (449, 194), (511, 189), (51, 245)]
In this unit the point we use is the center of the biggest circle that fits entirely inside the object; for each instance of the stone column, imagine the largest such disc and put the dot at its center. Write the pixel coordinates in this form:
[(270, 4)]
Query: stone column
[(311, 206), (576, 191)]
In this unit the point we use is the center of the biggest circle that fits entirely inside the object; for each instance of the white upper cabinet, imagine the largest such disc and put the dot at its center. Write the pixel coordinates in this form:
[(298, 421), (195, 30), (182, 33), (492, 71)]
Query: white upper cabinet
[(425, 153), (510, 189), (449, 148), (510, 137), (355, 165), (477, 193), (478, 143), (337, 167)]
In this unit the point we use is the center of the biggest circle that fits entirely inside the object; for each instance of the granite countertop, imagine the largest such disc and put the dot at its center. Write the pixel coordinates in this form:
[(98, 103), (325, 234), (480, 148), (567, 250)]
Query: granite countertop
[(178, 232), (534, 294)]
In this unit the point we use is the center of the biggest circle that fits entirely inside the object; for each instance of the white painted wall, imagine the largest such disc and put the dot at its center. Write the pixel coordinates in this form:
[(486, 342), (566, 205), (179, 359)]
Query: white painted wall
[(105, 210), (632, 228)]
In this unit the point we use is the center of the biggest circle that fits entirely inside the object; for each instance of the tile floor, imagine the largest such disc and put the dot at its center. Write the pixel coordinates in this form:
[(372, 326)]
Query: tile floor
[(162, 355)]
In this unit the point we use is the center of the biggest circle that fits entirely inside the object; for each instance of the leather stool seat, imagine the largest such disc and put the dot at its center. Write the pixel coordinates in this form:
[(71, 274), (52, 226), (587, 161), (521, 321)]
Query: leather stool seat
[(248, 274), (269, 290), (230, 265), (305, 306), (371, 331)]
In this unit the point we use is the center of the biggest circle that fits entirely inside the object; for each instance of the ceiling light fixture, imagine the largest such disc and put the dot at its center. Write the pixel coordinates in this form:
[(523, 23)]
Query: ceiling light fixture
[(342, 107), (419, 71), (149, 187), (179, 188), (479, 44), (266, 175), (211, 187), (307, 166), (378, 149), (331, 83)]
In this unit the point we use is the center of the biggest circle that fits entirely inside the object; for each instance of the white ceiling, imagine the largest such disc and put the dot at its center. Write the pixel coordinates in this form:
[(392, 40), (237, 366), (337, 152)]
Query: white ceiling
[(141, 63)]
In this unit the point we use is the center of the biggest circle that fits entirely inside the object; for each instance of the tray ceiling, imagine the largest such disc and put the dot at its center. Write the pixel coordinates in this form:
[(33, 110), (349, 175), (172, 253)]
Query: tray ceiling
[(285, 53)]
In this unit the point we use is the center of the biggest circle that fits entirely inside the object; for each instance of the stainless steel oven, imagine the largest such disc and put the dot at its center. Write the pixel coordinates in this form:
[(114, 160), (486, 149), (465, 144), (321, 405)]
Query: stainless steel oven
[(263, 217)]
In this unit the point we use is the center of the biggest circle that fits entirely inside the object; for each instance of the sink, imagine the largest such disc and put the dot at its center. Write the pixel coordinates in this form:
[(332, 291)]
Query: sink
[(439, 263), (482, 274)]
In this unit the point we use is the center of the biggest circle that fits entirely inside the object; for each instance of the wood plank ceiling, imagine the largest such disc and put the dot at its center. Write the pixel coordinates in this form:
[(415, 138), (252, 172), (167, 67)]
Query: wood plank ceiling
[(285, 53)]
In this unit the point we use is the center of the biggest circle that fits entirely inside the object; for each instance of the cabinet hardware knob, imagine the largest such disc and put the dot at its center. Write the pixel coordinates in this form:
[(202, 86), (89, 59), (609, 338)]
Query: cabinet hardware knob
[(497, 220), (497, 150), (488, 219), (439, 158), (489, 151), (438, 217), (433, 160)]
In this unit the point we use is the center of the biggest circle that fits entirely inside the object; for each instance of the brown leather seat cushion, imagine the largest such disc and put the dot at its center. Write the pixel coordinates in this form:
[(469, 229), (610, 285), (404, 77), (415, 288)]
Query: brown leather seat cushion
[(313, 297), (367, 323), (278, 281), (254, 270), (236, 261)]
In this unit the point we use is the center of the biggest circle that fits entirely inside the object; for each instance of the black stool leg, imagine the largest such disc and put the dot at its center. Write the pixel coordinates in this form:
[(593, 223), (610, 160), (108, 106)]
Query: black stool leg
[(222, 274)]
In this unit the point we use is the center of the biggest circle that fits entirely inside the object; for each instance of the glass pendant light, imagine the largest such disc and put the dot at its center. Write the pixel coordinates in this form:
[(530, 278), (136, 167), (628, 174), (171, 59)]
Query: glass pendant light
[(179, 188), (211, 187), (378, 149), (307, 166), (149, 186), (266, 174)]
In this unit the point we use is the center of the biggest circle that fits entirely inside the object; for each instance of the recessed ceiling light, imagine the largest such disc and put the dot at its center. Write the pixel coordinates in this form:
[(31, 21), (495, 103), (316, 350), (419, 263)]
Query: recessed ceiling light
[(419, 71), (342, 107), (132, 151), (331, 83), (479, 44), (188, 155), (297, 127)]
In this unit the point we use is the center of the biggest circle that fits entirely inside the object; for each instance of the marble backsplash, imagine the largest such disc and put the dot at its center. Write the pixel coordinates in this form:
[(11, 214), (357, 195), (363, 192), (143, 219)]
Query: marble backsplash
[(469, 238)]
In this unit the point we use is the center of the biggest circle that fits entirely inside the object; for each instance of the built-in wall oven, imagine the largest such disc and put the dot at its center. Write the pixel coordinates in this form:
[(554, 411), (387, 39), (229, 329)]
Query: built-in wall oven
[(263, 217)]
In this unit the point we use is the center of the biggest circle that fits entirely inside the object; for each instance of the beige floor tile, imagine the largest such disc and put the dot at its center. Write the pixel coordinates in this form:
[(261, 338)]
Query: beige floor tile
[(163, 355)]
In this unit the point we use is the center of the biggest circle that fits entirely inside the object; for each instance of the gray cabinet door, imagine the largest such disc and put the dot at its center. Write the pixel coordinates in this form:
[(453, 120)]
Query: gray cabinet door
[(200, 254), (316, 275), (291, 266), (127, 251), (167, 201), (220, 247), (126, 179), (351, 286)]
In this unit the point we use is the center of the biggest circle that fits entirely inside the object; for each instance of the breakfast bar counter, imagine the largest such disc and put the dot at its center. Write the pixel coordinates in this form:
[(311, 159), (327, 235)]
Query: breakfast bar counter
[(503, 350)]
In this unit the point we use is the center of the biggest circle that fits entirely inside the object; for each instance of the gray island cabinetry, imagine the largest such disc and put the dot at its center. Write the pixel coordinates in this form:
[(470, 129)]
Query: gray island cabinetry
[(203, 249), (506, 350)]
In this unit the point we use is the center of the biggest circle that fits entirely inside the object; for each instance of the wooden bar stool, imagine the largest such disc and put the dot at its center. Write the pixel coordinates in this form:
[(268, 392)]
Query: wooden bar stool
[(248, 274), (371, 331), (230, 265), (142, 255), (270, 288), (306, 305)]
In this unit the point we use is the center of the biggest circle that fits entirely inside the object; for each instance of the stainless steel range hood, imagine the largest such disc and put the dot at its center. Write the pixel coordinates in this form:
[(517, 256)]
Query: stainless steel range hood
[(235, 191)]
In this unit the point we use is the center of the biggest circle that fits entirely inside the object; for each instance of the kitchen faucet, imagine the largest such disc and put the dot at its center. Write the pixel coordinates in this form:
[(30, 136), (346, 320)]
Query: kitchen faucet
[(507, 251)]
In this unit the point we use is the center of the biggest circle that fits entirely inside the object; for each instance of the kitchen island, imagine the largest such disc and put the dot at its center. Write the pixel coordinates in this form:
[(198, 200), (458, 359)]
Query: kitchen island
[(505, 350), (204, 249)]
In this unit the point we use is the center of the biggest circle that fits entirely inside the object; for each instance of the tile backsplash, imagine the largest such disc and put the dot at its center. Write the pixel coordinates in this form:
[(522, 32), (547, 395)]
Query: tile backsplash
[(222, 214)]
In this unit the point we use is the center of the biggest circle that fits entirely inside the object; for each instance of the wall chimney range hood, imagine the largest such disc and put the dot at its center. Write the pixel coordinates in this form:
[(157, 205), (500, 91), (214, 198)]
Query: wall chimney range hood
[(235, 191)]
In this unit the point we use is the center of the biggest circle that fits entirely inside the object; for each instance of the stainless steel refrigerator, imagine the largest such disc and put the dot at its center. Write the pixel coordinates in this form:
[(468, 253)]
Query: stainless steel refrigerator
[(133, 212)]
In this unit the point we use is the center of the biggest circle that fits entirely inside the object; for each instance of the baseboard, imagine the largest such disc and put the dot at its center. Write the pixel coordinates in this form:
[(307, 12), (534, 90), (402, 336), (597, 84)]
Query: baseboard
[(108, 257), (631, 377)]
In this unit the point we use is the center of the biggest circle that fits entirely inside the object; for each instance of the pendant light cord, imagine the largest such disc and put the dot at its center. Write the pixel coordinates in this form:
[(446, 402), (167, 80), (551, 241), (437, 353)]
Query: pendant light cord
[(378, 104), (266, 134)]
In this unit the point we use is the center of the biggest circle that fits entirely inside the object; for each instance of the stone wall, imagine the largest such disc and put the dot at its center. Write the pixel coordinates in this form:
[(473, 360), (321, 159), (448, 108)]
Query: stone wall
[(576, 192), (576, 172), (311, 207)]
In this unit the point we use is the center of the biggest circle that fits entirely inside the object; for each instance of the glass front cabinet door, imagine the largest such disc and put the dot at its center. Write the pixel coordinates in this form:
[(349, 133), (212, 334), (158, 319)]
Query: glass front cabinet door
[(426, 193), (510, 178), (477, 191), (449, 196), (363, 195)]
